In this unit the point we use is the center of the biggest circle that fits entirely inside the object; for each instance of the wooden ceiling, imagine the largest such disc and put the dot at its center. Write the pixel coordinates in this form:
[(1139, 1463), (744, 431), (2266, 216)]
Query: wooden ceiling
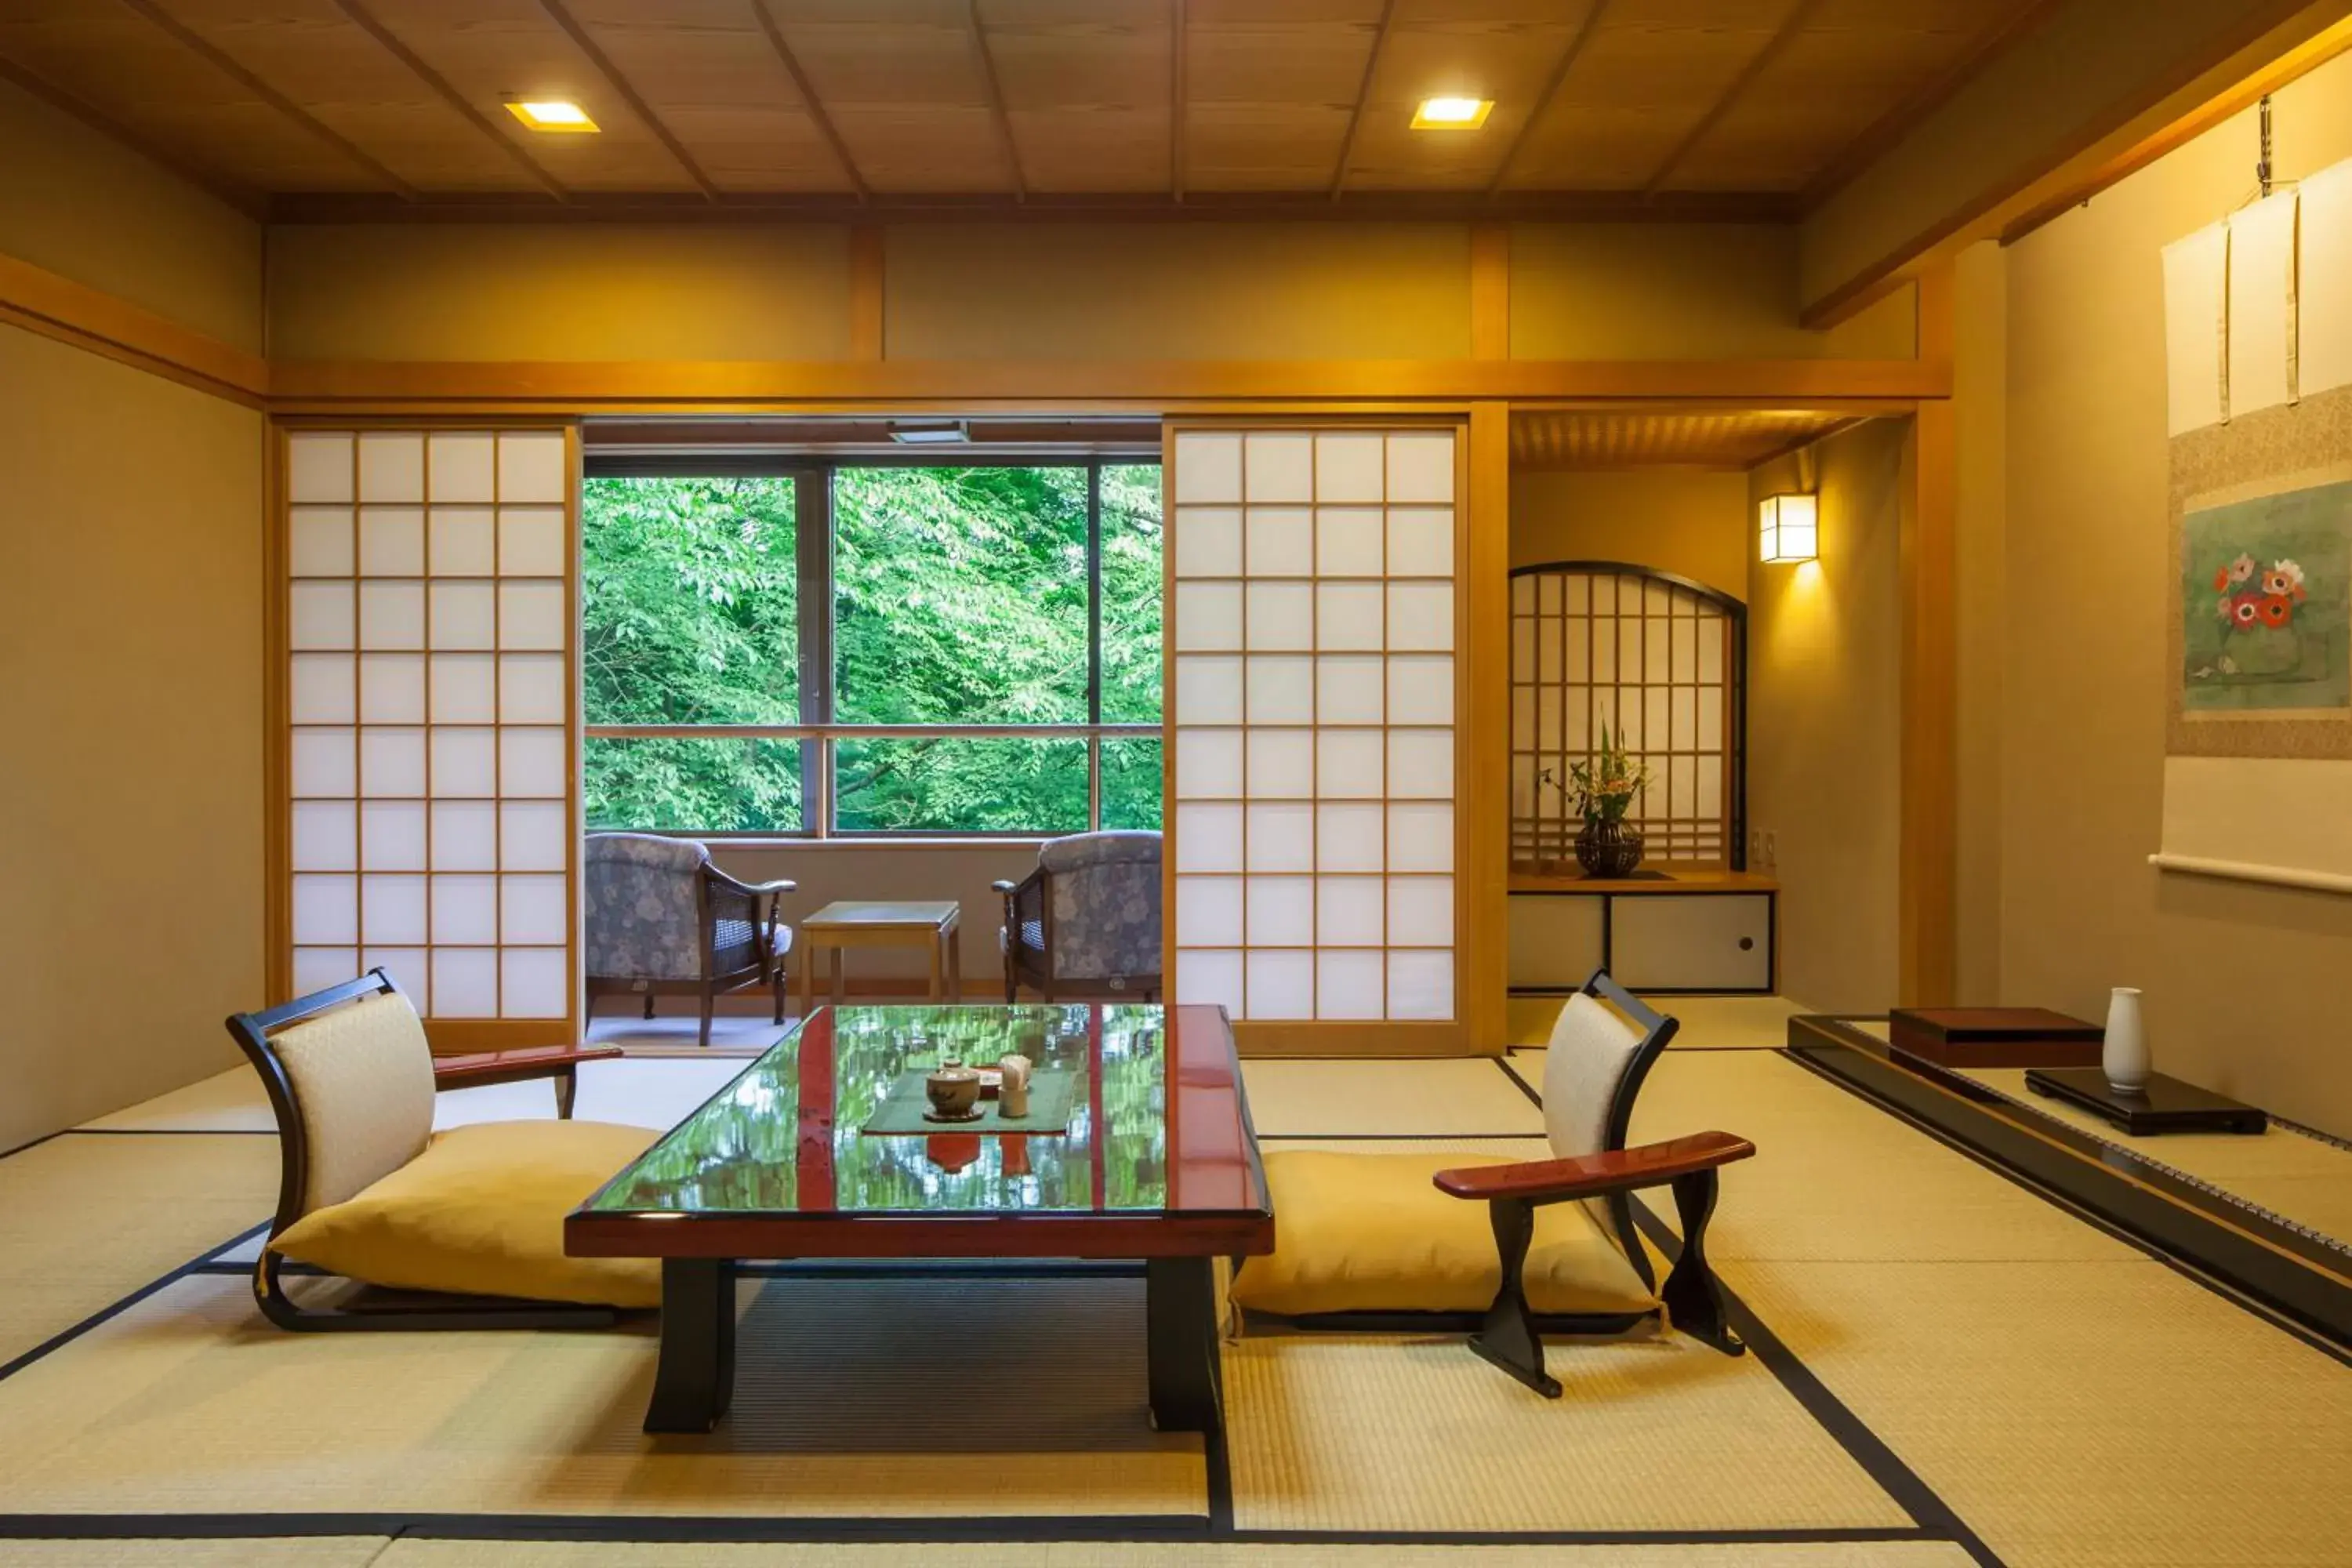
[(328, 106), (1634, 439)]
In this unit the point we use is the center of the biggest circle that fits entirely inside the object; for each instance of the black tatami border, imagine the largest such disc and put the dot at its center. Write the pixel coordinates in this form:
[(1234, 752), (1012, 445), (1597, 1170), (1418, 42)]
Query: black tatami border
[(1933, 1520)]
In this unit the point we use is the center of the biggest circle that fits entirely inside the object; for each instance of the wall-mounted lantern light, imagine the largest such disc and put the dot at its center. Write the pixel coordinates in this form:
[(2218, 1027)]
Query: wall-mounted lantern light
[(1789, 528)]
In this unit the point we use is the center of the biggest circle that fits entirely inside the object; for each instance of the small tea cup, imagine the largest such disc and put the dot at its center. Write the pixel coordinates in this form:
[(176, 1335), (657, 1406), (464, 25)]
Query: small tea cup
[(953, 1090)]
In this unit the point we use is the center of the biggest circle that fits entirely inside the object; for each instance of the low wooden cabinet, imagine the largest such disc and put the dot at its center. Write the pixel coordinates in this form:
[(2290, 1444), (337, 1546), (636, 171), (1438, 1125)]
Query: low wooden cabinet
[(1698, 932)]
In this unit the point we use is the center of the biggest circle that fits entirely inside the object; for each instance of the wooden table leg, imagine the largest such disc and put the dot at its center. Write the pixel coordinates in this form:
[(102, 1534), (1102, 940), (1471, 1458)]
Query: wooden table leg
[(939, 952), (695, 1379), (955, 963), (833, 973), (1180, 1316), (807, 986)]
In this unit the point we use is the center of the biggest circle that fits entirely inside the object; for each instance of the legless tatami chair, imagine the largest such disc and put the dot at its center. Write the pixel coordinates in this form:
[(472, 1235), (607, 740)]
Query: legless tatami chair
[(1514, 1248), (472, 1217)]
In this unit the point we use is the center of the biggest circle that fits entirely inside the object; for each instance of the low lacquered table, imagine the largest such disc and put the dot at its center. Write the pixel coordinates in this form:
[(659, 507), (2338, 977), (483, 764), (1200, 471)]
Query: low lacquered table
[(1159, 1164)]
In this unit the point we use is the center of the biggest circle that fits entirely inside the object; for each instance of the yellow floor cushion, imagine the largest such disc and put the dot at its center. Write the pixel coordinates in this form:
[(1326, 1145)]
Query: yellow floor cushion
[(1359, 1233), (481, 1212)]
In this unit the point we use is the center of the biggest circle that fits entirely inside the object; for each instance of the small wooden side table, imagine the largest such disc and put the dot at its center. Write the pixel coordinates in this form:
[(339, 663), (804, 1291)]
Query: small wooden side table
[(930, 926)]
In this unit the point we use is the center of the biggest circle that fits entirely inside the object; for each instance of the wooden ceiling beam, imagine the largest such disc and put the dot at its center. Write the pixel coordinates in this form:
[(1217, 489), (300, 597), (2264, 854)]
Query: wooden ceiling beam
[(368, 23), (1178, 34), (1896, 122), (1536, 111), (996, 100), (1780, 39), (562, 17), (815, 106), (203, 47), (252, 203), (1402, 207), (1363, 91)]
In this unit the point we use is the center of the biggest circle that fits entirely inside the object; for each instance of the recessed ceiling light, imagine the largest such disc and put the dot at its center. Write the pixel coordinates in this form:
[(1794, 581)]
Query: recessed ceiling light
[(1452, 114), (550, 115)]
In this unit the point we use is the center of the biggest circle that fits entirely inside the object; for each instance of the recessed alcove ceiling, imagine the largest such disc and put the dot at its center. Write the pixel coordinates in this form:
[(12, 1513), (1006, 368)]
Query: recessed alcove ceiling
[(1570, 438), (322, 108)]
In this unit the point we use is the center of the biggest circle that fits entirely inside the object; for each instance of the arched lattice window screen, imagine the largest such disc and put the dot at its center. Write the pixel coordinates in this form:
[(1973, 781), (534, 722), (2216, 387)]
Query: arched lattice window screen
[(1655, 663)]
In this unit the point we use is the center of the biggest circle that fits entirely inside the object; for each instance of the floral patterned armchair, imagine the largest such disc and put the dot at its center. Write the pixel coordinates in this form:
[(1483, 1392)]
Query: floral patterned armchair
[(1087, 920), (662, 920)]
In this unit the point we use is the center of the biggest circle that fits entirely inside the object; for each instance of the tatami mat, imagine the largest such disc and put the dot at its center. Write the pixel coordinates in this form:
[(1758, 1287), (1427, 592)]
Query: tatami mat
[(1720, 1023), (2083, 1413), (1836, 1178), (1341, 1432), (301, 1551), (889, 1398), (1301, 1097), (678, 1032), (2073, 1400), (636, 1092), (231, 1100), (86, 1220), (407, 1553), (2291, 1173)]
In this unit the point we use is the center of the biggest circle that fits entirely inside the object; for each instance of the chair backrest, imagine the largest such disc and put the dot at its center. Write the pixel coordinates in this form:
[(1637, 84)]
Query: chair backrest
[(643, 922), (1105, 904), (350, 1076), (1594, 1066)]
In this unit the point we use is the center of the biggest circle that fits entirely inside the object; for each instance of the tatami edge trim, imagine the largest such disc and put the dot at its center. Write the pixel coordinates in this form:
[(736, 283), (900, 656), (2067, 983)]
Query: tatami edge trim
[(195, 1265), (973, 1530)]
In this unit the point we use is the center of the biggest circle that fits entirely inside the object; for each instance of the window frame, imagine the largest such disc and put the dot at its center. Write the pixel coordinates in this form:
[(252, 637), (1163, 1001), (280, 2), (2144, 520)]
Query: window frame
[(814, 533)]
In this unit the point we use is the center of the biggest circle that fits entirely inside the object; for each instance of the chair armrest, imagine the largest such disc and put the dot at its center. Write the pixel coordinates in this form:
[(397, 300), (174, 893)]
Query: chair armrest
[(1591, 1176), (781, 885), (1002, 886), (525, 1062)]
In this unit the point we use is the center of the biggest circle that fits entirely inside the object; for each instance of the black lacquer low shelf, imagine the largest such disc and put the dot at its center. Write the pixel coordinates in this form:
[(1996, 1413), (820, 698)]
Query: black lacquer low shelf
[(2165, 1105)]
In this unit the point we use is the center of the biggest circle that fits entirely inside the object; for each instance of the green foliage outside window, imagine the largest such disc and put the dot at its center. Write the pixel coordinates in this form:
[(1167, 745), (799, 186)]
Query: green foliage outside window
[(960, 597)]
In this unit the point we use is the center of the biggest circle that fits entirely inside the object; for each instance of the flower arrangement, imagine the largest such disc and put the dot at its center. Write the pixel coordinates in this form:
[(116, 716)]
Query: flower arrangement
[(1601, 786), (2245, 603)]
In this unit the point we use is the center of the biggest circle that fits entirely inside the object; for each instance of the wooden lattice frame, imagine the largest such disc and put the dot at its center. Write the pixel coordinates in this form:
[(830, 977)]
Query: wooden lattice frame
[(1542, 828)]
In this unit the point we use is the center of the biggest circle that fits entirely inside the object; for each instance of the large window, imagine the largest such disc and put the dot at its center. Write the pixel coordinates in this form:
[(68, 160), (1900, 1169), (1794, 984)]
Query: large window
[(841, 649)]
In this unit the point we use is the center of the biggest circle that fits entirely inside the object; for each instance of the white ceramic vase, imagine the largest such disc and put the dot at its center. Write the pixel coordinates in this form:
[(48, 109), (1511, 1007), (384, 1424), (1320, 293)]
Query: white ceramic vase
[(2124, 1058)]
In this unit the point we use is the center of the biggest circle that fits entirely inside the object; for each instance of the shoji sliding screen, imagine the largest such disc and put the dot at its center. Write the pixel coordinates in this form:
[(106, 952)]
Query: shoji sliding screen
[(1313, 694), (430, 806)]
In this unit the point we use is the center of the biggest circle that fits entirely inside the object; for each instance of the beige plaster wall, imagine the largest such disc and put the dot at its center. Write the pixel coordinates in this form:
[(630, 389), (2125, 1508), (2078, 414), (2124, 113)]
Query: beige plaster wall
[(1689, 522), (1634, 291), (1824, 719), (559, 291), (1235, 291), (130, 585), (2244, 985), (86, 208)]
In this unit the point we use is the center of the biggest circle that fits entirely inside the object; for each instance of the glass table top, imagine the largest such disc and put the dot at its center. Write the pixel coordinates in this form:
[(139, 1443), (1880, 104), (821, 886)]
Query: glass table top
[(1157, 1125)]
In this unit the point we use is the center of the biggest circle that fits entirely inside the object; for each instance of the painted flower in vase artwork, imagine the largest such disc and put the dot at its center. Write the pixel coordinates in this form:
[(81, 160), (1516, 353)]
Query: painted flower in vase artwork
[(2266, 602), (2262, 638)]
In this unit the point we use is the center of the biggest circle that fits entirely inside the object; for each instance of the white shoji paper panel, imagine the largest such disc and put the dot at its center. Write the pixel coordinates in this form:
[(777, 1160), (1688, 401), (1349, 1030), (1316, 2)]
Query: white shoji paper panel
[(1313, 720), (430, 622)]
